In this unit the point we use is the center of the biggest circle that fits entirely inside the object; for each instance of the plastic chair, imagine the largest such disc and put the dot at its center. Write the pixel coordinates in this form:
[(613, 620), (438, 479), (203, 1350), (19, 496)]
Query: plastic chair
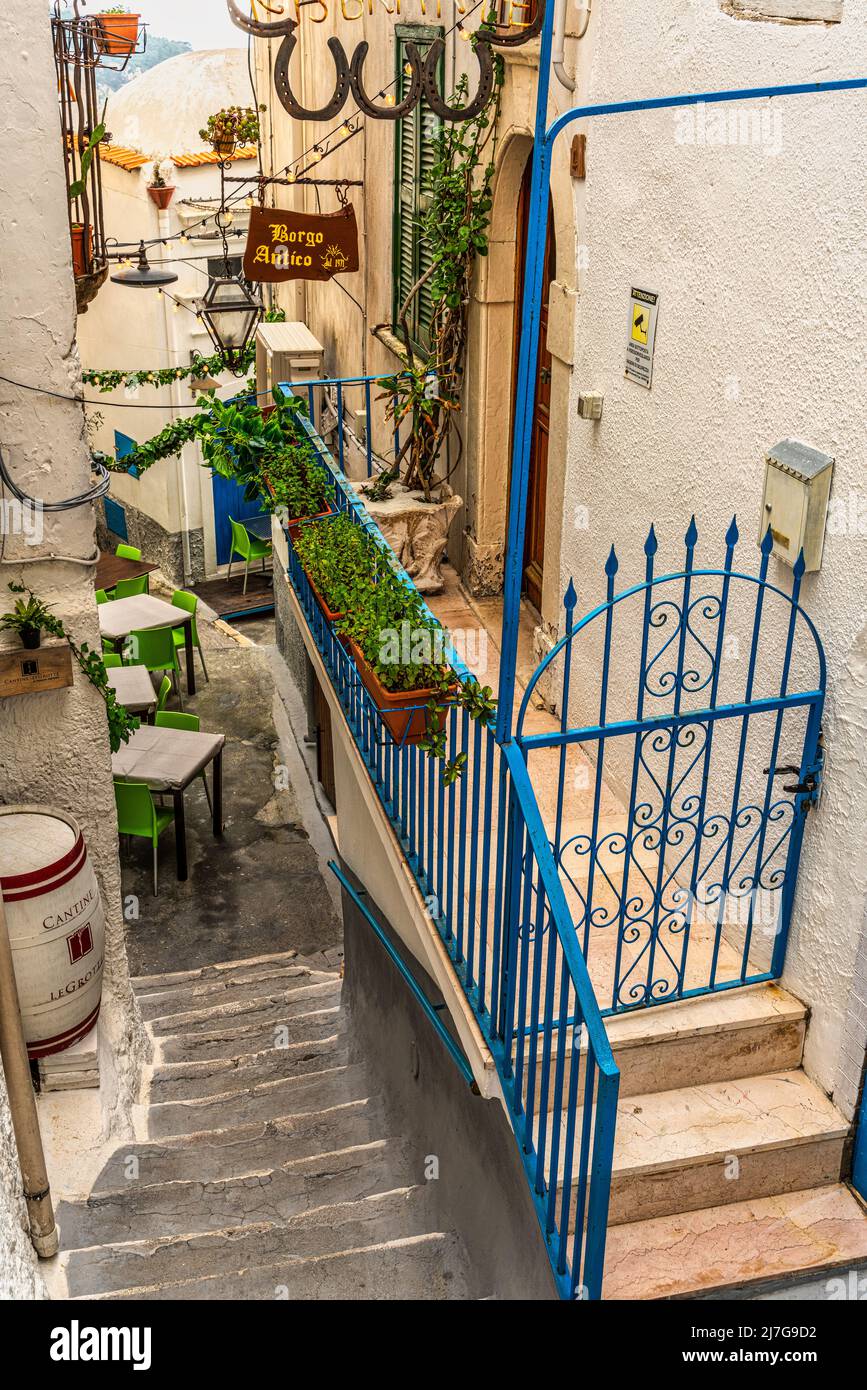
[(137, 815), (130, 588), (111, 659), (168, 719), (182, 598), (163, 695), (128, 552), (248, 547), (154, 648), (102, 596)]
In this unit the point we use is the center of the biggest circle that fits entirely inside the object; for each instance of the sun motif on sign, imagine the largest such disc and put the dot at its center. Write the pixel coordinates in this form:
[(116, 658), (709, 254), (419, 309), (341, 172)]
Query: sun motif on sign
[(334, 258)]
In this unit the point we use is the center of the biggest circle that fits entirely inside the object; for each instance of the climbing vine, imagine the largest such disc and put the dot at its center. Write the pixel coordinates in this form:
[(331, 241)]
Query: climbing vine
[(106, 379), (455, 226)]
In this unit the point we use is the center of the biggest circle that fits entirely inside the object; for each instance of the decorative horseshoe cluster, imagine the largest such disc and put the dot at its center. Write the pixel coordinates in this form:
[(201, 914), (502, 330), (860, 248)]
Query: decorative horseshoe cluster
[(349, 76)]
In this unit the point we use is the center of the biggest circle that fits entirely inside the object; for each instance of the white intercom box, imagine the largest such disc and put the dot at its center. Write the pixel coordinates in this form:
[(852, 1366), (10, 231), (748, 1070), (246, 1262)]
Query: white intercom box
[(795, 503)]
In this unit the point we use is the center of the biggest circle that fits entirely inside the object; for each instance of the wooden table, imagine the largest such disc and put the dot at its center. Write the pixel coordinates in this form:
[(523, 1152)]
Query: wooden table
[(125, 615), (133, 688), (168, 760), (110, 568)]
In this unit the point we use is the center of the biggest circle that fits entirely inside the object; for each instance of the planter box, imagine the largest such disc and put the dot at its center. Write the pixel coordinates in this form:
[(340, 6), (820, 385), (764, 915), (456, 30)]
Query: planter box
[(294, 525), (403, 712), (118, 33), (332, 614)]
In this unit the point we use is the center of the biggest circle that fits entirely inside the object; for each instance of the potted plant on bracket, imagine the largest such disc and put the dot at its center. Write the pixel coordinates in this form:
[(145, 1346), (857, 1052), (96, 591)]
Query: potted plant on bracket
[(117, 33), (231, 127), (160, 176), (29, 617)]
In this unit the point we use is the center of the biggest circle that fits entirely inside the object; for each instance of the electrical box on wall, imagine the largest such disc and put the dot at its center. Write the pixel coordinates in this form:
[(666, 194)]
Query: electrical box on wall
[(795, 503)]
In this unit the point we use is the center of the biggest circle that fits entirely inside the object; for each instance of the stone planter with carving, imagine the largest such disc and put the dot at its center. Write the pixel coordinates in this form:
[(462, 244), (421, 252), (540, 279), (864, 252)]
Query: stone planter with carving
[(417, 532)]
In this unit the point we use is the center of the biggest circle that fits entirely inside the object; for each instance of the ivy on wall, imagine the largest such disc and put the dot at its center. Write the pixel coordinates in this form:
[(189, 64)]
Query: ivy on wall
[(200, 367)]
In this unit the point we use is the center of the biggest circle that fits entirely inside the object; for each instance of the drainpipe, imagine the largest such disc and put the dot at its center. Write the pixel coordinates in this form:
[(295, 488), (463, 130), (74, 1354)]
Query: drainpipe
[(560, 42), (22, 1105), (172, 345)]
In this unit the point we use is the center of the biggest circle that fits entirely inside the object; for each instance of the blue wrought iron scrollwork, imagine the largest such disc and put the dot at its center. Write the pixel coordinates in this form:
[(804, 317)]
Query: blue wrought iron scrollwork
[(692, 888)]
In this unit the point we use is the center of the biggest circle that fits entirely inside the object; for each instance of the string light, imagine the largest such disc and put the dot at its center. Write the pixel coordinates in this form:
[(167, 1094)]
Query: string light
[(390, 99)]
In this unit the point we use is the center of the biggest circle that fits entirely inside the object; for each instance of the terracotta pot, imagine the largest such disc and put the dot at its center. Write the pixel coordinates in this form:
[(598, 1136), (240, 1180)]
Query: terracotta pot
[(403, 712), (118, 33), (294, 526), (332, 614), (161, 196), (82, 248)]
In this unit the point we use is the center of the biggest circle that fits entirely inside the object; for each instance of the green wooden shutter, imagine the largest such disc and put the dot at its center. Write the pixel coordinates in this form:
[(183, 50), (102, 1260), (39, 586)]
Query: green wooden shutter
[(415, 152)]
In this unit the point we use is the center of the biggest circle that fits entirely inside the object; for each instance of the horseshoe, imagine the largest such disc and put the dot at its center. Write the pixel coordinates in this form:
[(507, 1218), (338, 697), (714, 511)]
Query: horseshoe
[(362, 100), (263, 29), (284, 91), (483, 94), (524, 34)]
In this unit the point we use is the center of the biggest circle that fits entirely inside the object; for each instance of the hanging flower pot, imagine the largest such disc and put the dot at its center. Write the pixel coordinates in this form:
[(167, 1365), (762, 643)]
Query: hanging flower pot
[(161, 194), (82, 248), (225, 148), (403, 712), (117, 34)]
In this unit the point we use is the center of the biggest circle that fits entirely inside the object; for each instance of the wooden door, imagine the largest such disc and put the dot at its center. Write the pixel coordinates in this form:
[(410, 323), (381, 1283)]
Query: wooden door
[(534, 539)]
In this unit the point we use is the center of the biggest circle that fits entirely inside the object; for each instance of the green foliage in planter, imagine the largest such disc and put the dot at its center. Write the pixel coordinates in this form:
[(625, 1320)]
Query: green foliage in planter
[(28, 614), (88, 154), (236, 125), (338, 556), (299, 483), (239, 442), (121, 724)]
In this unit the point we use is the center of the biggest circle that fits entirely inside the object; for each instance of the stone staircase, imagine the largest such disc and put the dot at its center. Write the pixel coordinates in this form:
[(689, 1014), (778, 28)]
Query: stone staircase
[(728, 1158), (269, 1170)]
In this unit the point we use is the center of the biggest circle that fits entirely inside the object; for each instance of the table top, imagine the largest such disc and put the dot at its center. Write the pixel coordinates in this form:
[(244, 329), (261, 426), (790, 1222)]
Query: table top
[(124, 615), (110, 568), (132, 686), (167, 759), (258, 526)]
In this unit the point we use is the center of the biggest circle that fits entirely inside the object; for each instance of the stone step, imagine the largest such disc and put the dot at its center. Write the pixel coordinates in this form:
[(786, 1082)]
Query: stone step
[(293, 1095), (738, 1247), (720, 1037), (141, 1212), (222, 970), (327, 1230), (236, 989), (233, 1039), (195, 1080), (271, 1009), (214, 1155), (730, 1141), (416, 1269)]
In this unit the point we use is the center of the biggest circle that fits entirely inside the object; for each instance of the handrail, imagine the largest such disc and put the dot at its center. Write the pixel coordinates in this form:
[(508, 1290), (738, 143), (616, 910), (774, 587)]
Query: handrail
[(418, 993)]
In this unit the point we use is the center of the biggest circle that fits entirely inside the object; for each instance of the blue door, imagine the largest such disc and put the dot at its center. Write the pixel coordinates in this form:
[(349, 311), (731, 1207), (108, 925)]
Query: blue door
[(229, 501)]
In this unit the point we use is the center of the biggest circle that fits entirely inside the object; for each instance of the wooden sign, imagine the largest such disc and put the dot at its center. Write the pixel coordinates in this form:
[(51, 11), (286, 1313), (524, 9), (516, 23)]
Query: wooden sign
[(25, 672), (300, 245)]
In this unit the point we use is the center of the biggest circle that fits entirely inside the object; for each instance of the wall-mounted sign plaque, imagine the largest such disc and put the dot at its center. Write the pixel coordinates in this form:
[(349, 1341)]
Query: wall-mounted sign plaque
[(300, 245)]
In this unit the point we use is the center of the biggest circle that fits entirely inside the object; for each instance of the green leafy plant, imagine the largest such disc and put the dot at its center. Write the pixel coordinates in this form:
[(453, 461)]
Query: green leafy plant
[(121, 724), (296, 483), (234, 125), (428, 392), (29, 618), (88, 153)]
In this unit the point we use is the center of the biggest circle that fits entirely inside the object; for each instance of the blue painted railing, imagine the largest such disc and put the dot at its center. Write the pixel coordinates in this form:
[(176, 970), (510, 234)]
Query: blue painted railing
[(481, 857)]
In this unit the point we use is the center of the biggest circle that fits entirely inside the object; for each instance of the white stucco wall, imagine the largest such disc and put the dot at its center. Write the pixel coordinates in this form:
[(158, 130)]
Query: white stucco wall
[(53, 747), (758, 254)]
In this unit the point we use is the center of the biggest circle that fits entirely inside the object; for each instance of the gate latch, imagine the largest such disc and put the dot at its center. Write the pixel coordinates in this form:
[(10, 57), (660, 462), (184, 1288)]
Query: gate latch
[(811, 787)]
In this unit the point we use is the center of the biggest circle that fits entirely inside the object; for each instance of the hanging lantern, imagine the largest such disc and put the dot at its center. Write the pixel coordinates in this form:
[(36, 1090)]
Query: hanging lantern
[(230, 312), (143, 276)]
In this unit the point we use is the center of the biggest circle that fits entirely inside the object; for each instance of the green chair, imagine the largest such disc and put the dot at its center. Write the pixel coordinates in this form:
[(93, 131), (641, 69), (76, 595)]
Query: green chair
[(181, 598), (128, 552), (109, 649), (248, 547), (111, 659), (102, 596), (137, 815), (154, 648), (167, 719), (131, 588), (163, 695)]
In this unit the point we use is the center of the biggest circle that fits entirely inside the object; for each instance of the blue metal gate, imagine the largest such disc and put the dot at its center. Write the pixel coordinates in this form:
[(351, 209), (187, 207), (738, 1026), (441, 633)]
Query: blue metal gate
[(688, 755)]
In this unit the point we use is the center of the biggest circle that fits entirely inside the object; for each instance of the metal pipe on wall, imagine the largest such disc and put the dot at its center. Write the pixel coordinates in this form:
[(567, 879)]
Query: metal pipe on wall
[(559, 53), (22, 1106)]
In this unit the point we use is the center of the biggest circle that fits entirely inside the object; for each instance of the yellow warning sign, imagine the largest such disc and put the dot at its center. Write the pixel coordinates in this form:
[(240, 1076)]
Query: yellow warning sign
[(641, 335), (640, 323)]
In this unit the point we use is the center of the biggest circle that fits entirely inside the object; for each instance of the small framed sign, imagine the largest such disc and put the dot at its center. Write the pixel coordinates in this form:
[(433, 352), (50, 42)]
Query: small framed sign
[(28, 672), (300, 245), (641, 336)]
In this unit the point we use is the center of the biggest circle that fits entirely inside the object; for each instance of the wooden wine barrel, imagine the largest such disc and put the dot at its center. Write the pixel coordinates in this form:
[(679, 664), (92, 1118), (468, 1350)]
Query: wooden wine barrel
[(56, 925)]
